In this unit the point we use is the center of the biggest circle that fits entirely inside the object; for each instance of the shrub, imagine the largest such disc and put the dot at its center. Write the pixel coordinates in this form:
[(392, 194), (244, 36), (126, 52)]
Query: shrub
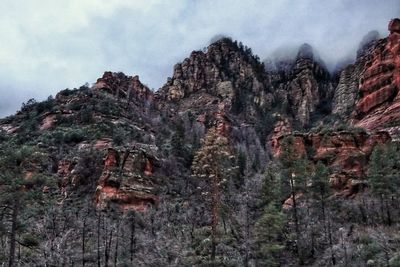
[(29, 105), (3, 136), (74, 136), (46, 105), (86, 115), (29, 240)]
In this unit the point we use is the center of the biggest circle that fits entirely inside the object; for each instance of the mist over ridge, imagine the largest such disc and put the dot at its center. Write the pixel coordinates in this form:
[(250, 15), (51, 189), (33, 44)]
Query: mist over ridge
[(54, 46)]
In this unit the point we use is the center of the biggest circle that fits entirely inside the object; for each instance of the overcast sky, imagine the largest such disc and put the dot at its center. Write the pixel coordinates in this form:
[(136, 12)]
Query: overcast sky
[(49, 45)]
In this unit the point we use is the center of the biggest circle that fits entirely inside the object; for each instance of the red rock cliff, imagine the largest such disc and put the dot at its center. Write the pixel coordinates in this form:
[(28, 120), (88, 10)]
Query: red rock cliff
[(126, 180), (379, 102), (345, 153)]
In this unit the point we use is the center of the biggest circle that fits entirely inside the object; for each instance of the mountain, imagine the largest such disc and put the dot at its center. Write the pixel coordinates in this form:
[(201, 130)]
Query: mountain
[(232, 162)]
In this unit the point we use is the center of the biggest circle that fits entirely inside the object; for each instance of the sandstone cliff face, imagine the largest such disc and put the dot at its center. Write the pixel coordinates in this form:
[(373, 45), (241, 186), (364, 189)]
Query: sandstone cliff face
[(345, 153), (379, 100), (126, 180)]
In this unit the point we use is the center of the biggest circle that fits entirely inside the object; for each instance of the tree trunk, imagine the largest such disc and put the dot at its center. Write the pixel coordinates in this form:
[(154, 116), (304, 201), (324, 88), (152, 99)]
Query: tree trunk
[(382, 209), (108, 247), (133, 241), (98, 240), (116, 246), (389, 217), (296, 222), (363, 213), (333, 259), (13, 233), (83, 241), (214, 223)]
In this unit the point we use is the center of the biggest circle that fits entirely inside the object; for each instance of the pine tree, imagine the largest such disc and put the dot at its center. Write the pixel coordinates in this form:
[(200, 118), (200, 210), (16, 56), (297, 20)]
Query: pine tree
[(269, 226), (269, 230), (321, 189), (383, 176), (213, 162), (294, 174), (16, 190), (320, 186)]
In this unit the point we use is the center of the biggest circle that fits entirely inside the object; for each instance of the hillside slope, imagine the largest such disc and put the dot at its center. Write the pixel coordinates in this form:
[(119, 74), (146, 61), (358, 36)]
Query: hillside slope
[(300, 167)]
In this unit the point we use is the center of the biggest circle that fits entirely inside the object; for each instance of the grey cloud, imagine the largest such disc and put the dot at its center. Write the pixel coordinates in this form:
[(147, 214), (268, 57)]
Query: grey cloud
[(51, 45)]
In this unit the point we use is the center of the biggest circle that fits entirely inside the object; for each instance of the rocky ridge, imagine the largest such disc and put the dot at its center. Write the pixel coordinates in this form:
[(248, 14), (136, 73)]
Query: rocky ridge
[(133, 128)]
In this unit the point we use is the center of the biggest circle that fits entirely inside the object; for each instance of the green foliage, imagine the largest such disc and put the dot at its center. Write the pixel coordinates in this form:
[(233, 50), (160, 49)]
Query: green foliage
[(180, 148), (271, 188), (107, 107), (46, 105), (74, 136), (86, 115), (177, 141), (369, 248), (269, 229), (38, 107), (29, 105), (30, 240), (266, 124), (383, 169), (3, 136), (320, 181), (213, 163)]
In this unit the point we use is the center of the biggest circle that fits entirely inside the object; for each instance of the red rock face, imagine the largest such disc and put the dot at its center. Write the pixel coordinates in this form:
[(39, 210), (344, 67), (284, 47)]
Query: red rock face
[(345, 153), (379, 102), (126, 181), (148, 168), (103, 143), (48, 121), (125, 200), (281, 128), (111, 160), (65, 172)]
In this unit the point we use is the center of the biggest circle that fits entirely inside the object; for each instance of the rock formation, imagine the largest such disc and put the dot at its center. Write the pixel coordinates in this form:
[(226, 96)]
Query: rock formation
[(379, 99), (126, 179), (123, 86), (346, 153), (225, 86)]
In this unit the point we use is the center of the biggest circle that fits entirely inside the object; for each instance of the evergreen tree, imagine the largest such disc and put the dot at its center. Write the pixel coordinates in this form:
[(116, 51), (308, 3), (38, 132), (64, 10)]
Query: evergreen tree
[(213, 162), (269, 230), (321, 189), (294, 174), (16, 190), (383, 176), (320, 186), (269, 227)]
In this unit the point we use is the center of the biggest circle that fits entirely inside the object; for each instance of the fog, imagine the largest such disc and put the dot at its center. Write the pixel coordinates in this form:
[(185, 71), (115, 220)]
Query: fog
[(51, 45)]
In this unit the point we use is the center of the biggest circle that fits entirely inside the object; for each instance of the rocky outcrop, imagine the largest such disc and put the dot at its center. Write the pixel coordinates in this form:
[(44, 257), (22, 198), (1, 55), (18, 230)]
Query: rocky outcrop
[(310, 86), (126, 180), (347, 91), (305, 87), (346, 153), (225, 70), (379, 99), (48, 121), (122, 86)]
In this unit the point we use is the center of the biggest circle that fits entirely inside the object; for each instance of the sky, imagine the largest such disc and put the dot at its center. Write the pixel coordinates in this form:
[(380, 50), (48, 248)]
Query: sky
[(49, 45)]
